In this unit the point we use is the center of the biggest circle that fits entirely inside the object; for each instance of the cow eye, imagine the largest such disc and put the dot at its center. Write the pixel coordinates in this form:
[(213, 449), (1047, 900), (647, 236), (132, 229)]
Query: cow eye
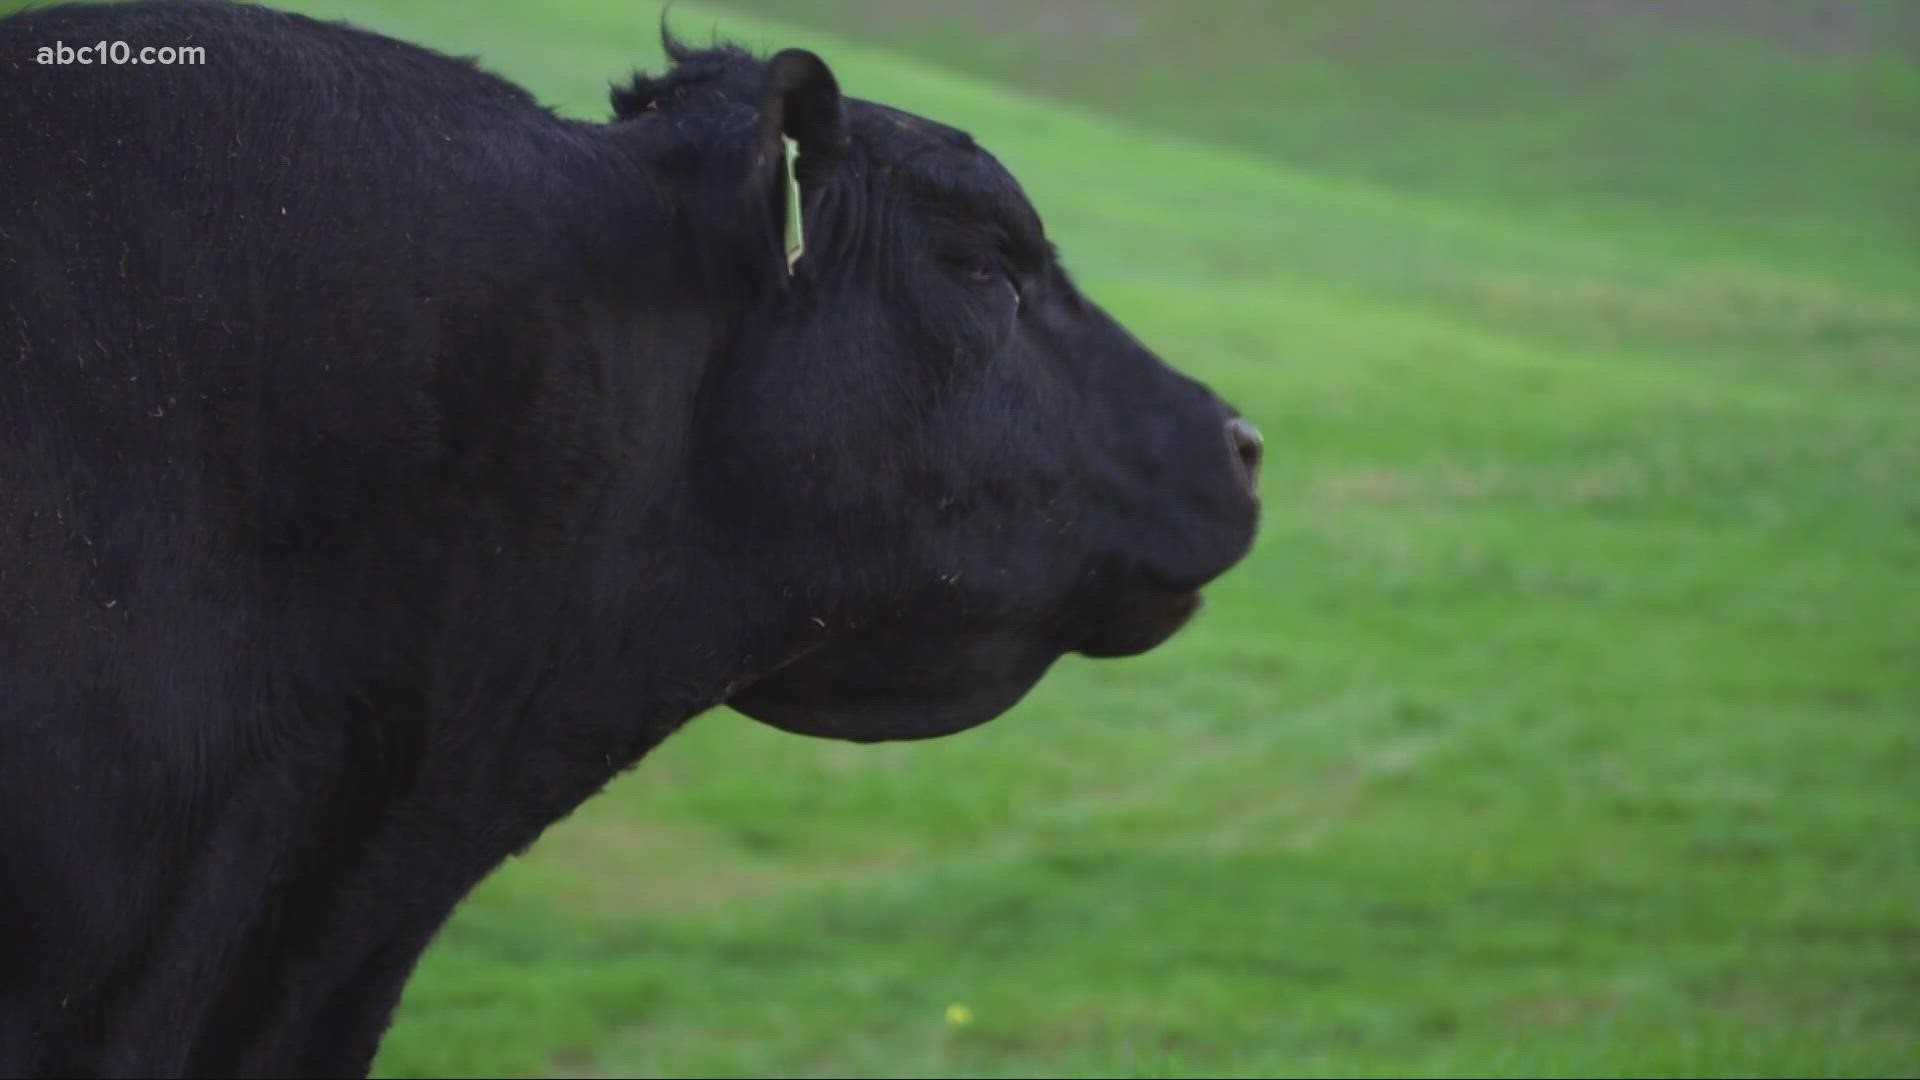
[(981, 272), (988, 274)]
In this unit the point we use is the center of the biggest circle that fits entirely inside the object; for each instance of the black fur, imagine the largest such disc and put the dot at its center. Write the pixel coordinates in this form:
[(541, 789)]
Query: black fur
[(387, 462)]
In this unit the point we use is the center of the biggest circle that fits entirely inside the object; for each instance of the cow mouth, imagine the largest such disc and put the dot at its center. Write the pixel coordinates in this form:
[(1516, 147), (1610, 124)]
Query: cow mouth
[(1150, 603), (1141, 618), (881, 687), (874, 685)]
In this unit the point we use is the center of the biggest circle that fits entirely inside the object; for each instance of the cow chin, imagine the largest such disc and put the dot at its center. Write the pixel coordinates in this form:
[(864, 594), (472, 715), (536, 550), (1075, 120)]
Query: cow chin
[(894, 687), (1138, 622), (888, 688)]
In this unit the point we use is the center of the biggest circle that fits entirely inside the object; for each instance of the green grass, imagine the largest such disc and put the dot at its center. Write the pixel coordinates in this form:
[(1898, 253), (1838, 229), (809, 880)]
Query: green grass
[(1566, 718), (1769, 128)]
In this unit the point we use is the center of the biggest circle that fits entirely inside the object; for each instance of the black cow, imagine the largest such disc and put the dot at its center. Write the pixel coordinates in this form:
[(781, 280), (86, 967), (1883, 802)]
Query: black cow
[(387, 462)]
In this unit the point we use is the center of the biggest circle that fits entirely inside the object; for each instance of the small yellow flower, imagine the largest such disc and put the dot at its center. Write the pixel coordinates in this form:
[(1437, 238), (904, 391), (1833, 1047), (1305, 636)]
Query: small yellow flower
[(959, 1015)]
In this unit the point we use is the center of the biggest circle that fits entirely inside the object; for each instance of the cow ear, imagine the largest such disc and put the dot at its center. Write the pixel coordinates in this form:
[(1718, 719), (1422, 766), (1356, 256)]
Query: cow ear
[(802, 102), (802, 136)]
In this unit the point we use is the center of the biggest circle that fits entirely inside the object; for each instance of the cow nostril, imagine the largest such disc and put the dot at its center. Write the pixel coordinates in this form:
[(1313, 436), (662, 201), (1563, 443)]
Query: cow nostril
[(1247, 444)]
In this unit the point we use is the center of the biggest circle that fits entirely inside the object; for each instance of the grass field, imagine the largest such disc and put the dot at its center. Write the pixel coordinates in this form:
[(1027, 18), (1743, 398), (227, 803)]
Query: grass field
[(1565, 720)]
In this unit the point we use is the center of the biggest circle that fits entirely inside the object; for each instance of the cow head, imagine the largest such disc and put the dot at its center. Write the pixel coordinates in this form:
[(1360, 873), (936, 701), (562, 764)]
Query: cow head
[(950, 464)]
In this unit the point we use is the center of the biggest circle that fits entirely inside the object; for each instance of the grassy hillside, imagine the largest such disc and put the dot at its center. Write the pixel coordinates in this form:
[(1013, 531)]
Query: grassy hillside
[(1565, 719), (1769, 128)]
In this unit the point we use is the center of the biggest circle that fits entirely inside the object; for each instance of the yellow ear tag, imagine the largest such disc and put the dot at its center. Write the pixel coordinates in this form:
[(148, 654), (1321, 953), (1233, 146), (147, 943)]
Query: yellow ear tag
[(796, 241)]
